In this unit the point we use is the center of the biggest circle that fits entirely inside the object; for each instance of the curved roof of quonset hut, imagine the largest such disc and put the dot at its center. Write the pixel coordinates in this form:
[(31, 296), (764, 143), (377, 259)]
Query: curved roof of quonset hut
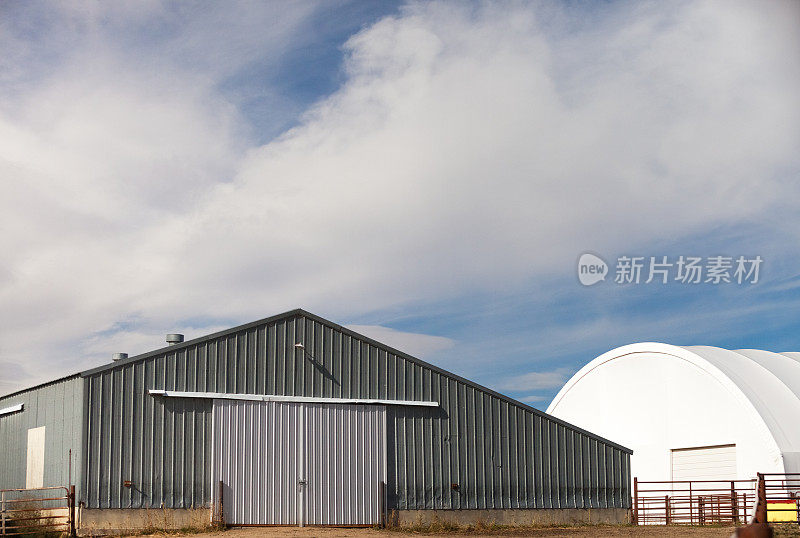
[(763, 382)]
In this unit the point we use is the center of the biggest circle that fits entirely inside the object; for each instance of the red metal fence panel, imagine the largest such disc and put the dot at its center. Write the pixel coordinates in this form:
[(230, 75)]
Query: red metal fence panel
[(37, 511), (781, 497), (693, 502)]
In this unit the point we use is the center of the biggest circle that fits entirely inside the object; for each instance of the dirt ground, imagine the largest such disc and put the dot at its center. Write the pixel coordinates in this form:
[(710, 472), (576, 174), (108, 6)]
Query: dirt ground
[(781, 531), (549, 532)]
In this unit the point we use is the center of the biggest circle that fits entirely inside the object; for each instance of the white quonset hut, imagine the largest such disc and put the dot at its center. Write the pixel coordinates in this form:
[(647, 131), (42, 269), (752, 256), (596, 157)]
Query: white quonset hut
[(691, 413)]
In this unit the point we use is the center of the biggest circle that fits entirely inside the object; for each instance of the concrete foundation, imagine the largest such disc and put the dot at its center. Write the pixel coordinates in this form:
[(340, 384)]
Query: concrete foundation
[(93, 522), (550, 516)]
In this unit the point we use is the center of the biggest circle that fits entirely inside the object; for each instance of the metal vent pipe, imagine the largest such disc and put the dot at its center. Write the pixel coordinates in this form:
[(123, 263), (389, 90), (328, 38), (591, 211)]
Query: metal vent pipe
[(174, 338)]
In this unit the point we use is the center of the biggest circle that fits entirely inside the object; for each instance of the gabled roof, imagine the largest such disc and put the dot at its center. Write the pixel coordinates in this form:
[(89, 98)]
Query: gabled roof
[(206, 338), (300, 312), (39, 386)]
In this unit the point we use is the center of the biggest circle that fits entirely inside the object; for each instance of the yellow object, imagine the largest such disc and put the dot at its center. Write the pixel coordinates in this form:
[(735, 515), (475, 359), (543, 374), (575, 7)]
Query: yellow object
[(781, 511)]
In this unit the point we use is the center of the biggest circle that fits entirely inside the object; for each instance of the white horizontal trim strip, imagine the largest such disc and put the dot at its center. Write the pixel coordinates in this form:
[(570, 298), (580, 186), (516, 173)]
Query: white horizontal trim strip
[(12, 409), (275, 398)]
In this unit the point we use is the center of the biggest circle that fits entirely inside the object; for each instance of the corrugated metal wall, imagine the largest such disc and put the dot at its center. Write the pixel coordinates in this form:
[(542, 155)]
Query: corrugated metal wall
[(57, 406), (500, 454), (345, 463), (161, 445), (262, 450), (256, 447)]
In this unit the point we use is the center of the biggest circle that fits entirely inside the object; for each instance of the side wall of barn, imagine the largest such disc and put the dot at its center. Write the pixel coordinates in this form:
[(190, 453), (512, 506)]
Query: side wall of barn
[(58, 408)]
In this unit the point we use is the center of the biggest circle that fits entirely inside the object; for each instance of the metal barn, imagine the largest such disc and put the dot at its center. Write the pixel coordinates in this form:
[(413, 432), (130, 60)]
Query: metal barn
[(296, 420)]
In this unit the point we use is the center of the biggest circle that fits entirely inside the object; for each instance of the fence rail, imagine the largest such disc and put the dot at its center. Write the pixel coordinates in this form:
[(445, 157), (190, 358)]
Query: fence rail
[(37, 510), (781, 496), (692, 502), (771, 498)]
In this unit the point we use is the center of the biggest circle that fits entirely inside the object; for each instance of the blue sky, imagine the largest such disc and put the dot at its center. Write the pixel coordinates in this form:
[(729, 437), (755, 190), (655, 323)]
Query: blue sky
[(428, 173)]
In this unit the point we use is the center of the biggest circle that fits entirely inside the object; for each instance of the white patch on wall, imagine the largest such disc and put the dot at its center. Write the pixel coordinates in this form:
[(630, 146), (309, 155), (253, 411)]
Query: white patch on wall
[(704, 463), (34, 477)]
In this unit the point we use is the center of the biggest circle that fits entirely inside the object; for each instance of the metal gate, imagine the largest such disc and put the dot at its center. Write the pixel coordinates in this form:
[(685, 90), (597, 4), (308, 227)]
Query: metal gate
[(299, 463), (780, 493), (37, 511), (692, 502)]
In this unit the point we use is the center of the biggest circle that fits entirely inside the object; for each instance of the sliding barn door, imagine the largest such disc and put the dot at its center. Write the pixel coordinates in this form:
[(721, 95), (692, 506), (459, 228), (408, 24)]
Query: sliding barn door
[(294, 463)]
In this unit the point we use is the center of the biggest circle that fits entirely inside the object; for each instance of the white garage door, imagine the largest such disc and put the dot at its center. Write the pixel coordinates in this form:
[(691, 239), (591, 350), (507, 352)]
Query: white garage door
[(704, 463), (289, 463)]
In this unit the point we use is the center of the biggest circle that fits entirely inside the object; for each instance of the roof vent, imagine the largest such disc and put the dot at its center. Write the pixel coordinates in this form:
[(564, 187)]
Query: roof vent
[(174, 338), (119, 356)]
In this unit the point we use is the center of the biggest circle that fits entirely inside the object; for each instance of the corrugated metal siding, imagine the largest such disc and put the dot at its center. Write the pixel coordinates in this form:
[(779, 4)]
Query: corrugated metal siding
[(501, 454), (162, 445), (262, 450), (345, 463), (257, 447), (57, 406)]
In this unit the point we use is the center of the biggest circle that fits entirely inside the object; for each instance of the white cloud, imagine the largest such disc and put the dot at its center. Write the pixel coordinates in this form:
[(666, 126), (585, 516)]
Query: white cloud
[(415, 344), (467, 149), (537, 380), (135, 342), (457, 157), (533, 398)]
